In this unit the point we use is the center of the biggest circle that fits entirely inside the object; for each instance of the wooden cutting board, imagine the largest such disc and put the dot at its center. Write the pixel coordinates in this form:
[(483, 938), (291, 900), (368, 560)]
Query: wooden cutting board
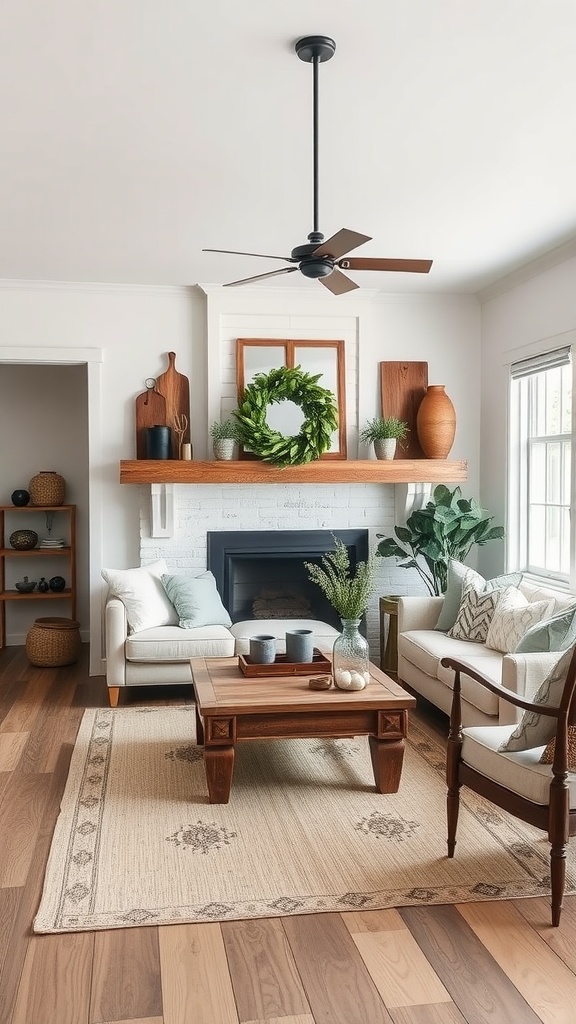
[(150, 412), (402, 388), (175, 389)]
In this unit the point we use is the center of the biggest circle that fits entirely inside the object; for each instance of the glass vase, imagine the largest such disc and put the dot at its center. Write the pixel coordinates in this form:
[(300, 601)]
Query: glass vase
[(350, 657)]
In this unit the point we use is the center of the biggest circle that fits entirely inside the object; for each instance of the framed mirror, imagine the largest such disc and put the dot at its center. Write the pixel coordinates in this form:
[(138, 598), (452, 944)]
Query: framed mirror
[(261, 355)]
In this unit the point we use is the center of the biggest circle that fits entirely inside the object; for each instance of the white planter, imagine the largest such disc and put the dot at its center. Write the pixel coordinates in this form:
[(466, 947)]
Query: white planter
[(385, 447), (224, 448)]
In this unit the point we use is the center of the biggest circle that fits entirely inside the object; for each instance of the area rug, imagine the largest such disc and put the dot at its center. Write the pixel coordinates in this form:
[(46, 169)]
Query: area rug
[(137, 842)]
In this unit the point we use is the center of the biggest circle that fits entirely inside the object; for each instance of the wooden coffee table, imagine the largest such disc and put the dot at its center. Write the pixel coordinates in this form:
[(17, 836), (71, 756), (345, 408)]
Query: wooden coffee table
[(231, 707)]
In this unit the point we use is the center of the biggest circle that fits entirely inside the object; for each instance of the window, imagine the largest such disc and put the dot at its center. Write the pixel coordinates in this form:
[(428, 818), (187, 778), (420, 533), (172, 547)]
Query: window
[(541, 451)]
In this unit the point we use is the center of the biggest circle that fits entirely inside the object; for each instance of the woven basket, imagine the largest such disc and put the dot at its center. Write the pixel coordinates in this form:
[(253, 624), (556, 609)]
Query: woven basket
[(47, 488), (53, 641)]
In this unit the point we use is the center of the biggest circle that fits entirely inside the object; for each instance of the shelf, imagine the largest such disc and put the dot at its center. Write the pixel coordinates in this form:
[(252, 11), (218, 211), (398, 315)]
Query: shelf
[(50, 595), (323, 471), (18, 552)]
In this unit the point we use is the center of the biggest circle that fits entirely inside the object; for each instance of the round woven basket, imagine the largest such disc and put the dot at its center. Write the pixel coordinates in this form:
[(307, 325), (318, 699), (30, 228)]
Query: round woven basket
[(53, 641), (47, 488)]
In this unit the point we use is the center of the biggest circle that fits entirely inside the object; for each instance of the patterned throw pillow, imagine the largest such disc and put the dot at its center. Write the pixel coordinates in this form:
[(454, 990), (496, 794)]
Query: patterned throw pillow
[(453, 596), (534, 729), (476, 610), (548, 755), (554, 634), (513, 616)]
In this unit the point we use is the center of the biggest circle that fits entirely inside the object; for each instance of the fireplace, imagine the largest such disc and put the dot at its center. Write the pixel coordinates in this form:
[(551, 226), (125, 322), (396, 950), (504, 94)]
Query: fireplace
[(261, 574)]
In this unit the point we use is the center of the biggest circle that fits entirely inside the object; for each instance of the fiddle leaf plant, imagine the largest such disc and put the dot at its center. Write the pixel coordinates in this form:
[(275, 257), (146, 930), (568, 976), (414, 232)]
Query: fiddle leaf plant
[(447, 527)]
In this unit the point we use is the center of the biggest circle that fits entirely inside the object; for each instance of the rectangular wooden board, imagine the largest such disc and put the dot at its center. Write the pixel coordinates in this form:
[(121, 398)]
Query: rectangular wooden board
[(402, 388), (175, 388), (282, 667)]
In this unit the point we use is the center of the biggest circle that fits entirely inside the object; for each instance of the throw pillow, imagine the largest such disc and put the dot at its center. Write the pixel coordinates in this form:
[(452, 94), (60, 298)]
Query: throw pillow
[(143, 595), (548, 755), (514, 614), (534, 730), (553, 634), (453, 596), (196, 600), (475, 611)]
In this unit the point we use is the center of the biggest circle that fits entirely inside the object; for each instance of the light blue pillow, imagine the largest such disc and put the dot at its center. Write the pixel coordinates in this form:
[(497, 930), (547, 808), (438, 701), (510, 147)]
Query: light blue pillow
[(453, 596), (196, 600), (553, 634)]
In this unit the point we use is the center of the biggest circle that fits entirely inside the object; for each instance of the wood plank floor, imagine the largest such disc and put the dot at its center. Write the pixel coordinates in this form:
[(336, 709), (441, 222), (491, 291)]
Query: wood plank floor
[(485, 963)]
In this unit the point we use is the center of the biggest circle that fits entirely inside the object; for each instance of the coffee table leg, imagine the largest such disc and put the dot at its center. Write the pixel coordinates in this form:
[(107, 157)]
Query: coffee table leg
[(199, 729), (387, 758), (219, 765)]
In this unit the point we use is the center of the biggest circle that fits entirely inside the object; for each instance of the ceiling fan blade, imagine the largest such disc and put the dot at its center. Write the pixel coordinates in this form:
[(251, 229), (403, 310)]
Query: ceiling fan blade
[(407, 266), (343, 241), (260, 277), (261, 255), (338, 283)]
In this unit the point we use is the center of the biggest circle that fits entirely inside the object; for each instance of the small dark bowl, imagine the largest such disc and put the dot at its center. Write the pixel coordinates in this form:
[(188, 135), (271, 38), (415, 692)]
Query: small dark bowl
[(25, 586), (57, 583)]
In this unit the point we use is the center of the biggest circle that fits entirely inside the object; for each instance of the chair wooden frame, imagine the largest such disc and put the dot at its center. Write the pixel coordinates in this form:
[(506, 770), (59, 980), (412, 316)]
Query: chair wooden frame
[(555, 817)]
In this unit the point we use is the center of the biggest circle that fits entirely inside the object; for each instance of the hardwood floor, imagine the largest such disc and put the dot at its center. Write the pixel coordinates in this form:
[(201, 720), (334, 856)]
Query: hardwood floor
[(485, 963)]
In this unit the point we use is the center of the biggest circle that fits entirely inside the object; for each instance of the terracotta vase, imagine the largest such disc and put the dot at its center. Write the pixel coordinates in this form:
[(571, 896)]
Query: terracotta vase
[(436, 423)]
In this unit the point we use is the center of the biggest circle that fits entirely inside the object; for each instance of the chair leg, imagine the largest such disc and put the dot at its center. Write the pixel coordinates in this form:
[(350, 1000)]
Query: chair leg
[(558, 836), (557, 879), (453, 796)]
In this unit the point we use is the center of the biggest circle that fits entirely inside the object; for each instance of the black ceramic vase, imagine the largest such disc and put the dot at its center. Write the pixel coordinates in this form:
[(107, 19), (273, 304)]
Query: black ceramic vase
[(20, 498), (57, 583)]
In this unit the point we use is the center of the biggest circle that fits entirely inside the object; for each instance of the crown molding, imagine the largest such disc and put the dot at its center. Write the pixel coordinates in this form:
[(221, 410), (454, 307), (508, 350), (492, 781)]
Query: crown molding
[(528, 270)]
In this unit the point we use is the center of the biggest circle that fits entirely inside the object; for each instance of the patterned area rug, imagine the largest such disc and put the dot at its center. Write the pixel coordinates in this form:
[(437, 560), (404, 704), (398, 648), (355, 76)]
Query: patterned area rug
[(137, 842)]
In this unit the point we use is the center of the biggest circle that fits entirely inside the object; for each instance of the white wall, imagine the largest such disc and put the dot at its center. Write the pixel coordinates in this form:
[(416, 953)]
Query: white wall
[(135, 327), (523, 317)]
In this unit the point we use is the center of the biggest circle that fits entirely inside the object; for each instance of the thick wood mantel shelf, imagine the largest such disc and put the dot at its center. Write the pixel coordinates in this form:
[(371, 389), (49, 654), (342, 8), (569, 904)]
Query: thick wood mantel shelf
[(323, 471)]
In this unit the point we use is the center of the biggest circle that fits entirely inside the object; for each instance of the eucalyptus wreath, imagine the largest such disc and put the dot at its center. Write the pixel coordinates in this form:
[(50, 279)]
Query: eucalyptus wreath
[(294, 385)]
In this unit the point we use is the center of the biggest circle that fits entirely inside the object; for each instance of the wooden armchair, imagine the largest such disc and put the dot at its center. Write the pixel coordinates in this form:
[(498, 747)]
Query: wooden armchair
[(542, 795)]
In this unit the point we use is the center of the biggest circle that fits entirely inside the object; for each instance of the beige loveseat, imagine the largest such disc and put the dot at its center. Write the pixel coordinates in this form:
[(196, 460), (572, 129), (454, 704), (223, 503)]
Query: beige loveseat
[(421, 648), (161, 654)]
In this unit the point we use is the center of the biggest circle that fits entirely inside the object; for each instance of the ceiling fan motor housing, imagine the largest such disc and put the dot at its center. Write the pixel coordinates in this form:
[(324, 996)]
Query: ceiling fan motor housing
[(316, 266)]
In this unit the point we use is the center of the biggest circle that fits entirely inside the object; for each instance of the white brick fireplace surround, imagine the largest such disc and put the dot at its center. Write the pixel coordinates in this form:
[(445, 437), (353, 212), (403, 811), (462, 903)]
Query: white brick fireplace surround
[(199, 509)]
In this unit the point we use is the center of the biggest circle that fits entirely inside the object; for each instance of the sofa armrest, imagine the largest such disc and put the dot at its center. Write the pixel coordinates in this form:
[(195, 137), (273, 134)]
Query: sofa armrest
[(418, 612), (116, 631)]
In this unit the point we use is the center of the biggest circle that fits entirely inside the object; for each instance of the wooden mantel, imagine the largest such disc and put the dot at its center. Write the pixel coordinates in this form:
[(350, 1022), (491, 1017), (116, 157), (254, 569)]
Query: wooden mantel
[(323, 471)]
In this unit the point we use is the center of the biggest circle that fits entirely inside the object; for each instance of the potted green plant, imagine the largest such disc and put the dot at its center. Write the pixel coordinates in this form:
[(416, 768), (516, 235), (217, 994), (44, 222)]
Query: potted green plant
[(348, 592), (385, 433), (225, 435), (447, 527)]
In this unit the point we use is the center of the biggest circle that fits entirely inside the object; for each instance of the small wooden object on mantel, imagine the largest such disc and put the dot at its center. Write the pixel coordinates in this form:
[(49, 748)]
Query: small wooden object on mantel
[(402, 388), (175, 388)]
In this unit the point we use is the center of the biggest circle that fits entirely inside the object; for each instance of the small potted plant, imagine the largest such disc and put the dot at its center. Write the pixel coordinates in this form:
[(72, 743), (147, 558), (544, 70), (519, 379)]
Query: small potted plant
[(225, 435), (384, 433)]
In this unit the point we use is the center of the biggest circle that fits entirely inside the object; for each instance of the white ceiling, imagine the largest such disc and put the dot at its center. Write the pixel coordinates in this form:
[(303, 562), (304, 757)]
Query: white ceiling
[(136, 132)]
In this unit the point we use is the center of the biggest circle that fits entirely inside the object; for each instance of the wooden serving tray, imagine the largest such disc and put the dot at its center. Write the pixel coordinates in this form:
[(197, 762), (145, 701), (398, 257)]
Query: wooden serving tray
[(282, 667)]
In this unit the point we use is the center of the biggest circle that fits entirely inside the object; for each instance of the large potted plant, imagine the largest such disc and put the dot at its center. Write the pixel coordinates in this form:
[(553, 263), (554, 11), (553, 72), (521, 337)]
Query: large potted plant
[(447, 527), (385, 433), (348, 592)]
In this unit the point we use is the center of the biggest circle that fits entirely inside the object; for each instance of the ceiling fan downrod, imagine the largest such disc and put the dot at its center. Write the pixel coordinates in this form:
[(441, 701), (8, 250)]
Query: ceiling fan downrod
[(315, 50)]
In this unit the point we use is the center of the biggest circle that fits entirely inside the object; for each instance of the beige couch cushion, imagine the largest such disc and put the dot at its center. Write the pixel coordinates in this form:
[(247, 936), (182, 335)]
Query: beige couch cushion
[(520, 771), (171, 643)]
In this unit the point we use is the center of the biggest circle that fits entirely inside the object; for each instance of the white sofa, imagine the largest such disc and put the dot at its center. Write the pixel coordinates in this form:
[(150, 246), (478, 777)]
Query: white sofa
[(161, 655), (421, 649)]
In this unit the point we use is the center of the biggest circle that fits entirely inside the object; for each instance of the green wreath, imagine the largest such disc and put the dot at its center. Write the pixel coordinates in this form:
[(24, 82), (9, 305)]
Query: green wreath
[(293, 385)]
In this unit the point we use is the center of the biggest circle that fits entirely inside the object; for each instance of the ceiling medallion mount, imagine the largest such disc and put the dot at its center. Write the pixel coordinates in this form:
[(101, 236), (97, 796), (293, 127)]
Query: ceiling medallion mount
[(319, 258)]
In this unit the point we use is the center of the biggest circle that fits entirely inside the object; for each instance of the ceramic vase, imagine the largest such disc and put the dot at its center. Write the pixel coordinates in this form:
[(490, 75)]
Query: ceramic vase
[(436, 423), (224, 448), (351, 657), (385, 447)]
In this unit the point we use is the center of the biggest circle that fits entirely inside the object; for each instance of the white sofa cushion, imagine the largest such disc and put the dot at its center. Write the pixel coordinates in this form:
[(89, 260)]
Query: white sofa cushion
[(324, 635), (476, 609), (520, 771), (172, 643), (425, 648), (535, 729), (143, 595), (489, 664)]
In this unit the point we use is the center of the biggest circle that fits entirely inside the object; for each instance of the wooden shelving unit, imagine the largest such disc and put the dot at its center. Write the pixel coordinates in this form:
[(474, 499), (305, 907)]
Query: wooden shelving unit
[(8, 525), (342, 471)]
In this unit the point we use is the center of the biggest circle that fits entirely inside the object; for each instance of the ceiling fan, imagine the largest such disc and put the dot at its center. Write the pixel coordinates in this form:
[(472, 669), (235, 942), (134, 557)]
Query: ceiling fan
[(318, 258)]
